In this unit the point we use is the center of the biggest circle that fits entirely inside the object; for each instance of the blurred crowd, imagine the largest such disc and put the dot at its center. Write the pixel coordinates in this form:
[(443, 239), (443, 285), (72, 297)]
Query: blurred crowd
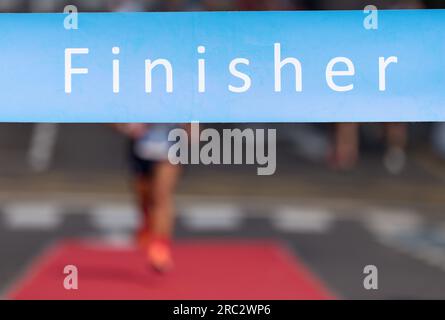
[(182, 5), (339, 144)]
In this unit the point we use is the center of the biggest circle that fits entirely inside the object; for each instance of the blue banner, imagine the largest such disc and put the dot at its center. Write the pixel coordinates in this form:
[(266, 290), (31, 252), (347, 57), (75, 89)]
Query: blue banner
[(223, 67)]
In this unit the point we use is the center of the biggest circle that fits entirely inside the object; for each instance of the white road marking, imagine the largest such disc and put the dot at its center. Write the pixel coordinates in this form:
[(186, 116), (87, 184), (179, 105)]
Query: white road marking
[(391, 222), (432, 249), (302, 219), (434, 256), (35, 216), (394, 228), (212, 217), (115, 217), (118, 239)]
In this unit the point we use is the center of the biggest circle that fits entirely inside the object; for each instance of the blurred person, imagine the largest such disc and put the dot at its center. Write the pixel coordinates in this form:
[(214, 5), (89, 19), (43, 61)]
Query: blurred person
[(155, 180), (346, 141), (397, 133), (395, 155), (345, 154)]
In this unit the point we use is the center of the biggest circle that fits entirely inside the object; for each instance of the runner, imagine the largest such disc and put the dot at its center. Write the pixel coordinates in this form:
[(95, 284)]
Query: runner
[(155, 182)]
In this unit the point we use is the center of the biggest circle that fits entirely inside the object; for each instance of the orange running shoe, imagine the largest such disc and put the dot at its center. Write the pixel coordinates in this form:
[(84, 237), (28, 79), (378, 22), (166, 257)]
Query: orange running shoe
[(159, 255)]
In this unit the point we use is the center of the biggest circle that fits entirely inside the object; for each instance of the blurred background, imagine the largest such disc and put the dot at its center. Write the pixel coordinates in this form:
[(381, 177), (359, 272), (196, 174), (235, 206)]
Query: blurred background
[(344, 195)]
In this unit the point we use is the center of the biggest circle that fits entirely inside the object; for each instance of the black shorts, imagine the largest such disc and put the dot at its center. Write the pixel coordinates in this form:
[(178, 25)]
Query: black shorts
[(139, 166)]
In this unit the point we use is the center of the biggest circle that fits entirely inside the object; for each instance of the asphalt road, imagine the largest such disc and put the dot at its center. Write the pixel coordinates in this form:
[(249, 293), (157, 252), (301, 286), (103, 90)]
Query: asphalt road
[(336, 244)]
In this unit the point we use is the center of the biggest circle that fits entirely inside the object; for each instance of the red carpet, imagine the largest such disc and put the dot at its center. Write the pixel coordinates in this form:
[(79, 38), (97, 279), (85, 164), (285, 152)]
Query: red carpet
[(203, 270)]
